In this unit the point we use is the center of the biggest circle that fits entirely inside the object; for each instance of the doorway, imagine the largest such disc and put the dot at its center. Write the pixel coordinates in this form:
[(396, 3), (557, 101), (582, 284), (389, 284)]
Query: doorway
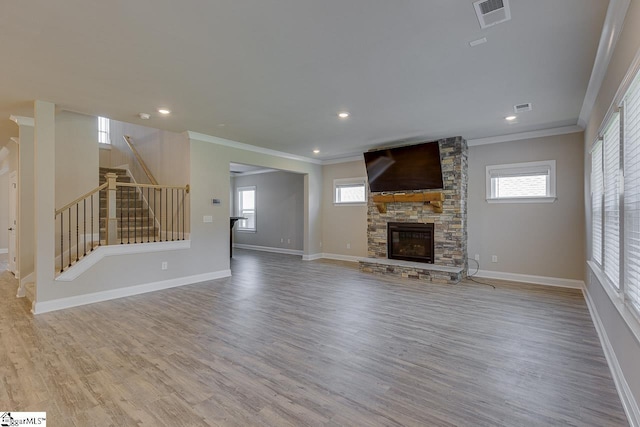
[(13, 222), (269, 205)]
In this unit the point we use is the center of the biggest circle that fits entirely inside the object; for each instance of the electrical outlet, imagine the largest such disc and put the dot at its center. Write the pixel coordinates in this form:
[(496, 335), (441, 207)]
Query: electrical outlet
[(281, 240), (349, 245), (165, 265), (288, 241), (477, 257), (494, 258)]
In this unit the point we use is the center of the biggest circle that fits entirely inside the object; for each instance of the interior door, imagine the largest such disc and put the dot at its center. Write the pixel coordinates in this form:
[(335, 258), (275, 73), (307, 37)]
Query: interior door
[(13, 220)]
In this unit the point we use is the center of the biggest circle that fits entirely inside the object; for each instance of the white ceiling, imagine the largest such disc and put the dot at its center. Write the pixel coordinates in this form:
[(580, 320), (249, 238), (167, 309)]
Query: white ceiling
[(276, 72)]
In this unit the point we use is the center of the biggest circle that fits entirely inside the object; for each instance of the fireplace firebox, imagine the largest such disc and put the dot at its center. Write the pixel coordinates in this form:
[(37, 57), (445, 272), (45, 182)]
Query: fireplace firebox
[(410, 241)]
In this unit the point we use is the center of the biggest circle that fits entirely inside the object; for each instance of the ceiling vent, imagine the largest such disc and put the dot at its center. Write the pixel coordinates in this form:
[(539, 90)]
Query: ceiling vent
[(521, 108), (492, 12)]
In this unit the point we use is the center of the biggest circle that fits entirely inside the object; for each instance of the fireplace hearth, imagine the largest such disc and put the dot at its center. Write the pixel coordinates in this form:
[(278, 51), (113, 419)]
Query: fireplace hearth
[(410, 241)]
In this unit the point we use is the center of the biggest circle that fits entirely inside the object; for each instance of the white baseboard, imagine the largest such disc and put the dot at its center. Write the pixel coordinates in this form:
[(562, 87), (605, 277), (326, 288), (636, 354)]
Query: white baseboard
[(268, 249), (29, 278), (626, 396), (4, 250), (62, 303), (104, 251), (339, 257), (312, 257), (527, 278)]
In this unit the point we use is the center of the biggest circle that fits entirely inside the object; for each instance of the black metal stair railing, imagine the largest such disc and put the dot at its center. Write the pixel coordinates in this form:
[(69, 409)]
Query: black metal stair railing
[(120, 213), (78, 229), (151, 213)]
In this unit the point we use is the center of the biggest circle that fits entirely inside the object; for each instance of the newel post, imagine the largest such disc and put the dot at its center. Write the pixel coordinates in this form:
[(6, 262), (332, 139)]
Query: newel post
[(112, 219)]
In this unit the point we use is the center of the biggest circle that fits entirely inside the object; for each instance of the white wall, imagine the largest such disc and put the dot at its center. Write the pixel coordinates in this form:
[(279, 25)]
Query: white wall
[(105, 156), (76, 156), (279, 210), (621, 345), (165, 153), (342, 225), (540, 239)]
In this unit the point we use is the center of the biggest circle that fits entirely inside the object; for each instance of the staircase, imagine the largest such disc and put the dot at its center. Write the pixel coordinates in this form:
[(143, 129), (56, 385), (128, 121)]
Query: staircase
[(136, 221)]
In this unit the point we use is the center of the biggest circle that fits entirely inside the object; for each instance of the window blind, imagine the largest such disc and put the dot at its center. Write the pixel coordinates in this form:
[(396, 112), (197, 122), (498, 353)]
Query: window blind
[(596, 203), (632, 195), (611, 146), (520, 171)]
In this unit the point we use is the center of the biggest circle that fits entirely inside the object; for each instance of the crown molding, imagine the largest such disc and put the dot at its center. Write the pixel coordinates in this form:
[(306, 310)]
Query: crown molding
[(348, 159), (611, 30), (525, 135), (351, 157), (22, 121), (255, 172), (247, 147)]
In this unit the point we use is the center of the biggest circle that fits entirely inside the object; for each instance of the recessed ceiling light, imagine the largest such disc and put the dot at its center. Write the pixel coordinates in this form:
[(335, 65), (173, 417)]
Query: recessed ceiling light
[(144, 116), (510, 118), (316, 151), (344, 114), (164, 111), (221, 125)]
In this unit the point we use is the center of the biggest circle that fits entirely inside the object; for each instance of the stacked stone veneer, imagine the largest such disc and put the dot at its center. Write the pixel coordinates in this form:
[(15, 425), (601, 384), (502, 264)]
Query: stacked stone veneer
[(450, 225)]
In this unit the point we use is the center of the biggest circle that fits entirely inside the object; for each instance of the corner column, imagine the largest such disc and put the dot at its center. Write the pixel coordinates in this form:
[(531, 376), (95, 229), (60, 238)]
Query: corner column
[(45, 178)]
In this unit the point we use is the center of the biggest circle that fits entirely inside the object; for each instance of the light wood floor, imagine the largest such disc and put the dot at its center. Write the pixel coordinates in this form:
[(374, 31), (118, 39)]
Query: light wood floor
[(290, 343)]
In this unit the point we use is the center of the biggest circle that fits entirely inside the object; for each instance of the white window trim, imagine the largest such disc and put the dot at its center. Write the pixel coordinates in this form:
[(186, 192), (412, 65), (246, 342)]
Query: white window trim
[(617, 298), (255, 210), (105, 132), (349, 181), (550, 164), (600, 202)]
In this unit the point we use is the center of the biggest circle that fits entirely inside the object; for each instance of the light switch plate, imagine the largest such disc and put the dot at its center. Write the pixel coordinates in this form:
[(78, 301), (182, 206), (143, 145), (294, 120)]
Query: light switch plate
[(207, 218)]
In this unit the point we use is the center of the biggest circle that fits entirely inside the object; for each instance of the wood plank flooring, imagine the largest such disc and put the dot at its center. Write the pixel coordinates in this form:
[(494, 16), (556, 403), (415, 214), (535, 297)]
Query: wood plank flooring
[(290, 343)]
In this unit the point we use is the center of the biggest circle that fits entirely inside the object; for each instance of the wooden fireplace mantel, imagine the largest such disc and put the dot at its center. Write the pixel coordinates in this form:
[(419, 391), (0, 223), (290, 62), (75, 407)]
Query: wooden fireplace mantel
[(434, 198)]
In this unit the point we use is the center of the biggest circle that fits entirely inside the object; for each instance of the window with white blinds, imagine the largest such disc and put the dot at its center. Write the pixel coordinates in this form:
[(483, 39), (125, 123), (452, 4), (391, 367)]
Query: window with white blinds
[(632, 195), (349, 191), (611, 145), (596, 202)]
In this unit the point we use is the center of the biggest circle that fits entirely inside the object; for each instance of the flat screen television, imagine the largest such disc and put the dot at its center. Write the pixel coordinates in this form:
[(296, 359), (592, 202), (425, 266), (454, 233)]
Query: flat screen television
[(413, 167)]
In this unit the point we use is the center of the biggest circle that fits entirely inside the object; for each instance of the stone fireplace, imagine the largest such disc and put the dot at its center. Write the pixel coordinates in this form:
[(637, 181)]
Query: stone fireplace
[(448, 258)]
